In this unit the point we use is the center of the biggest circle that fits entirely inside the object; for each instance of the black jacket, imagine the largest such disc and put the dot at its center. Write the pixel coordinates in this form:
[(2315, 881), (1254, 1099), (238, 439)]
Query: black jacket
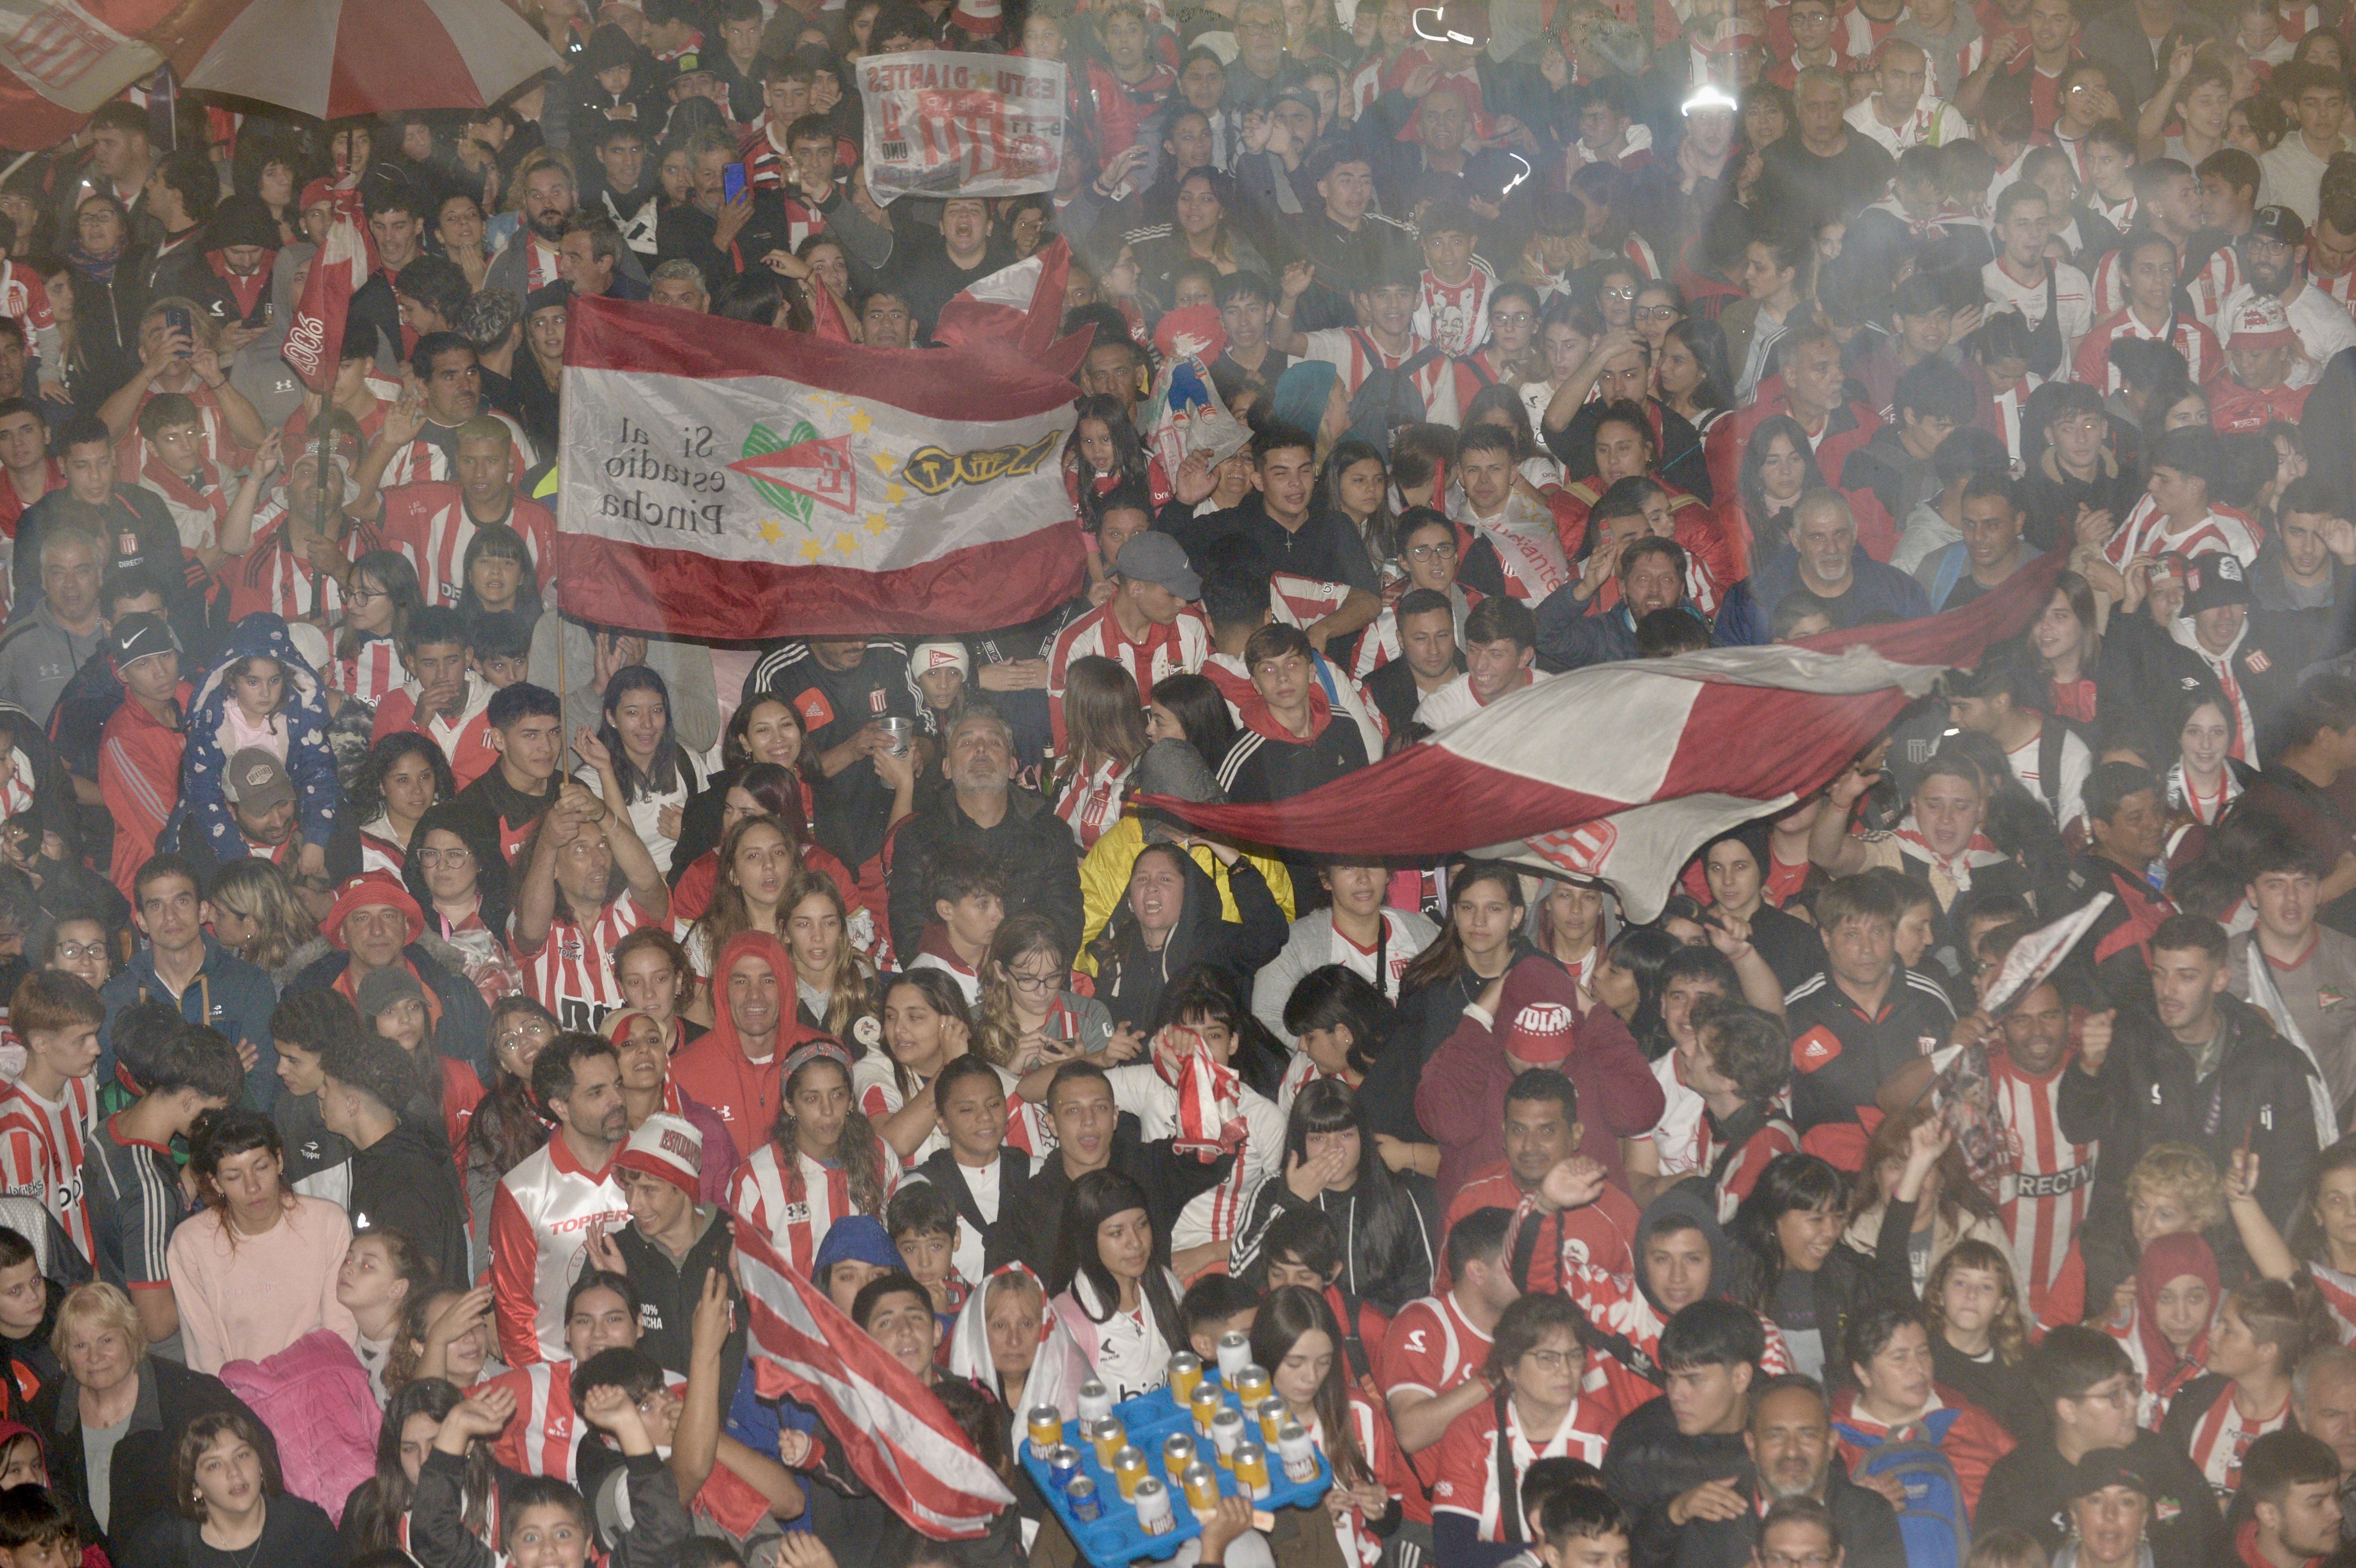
[(668, 1289), (1869, 1529), (1129, 979), (438, 1535), (2142, 671), (170, 1397), (296, 1533), (407, 1181), (1172, 1180), (1402, 1274), (2028, 1489), (1031, 846), (1002, 1240)]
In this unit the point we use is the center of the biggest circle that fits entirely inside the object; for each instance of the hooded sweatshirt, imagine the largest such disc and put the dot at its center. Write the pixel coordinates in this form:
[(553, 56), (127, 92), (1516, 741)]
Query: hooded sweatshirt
[(301, 722), (405, 1181), (716, 1070)]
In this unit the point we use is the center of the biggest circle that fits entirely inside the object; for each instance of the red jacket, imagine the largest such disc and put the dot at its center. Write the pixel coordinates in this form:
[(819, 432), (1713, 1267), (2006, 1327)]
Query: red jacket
[(1973, 1444), (139, 776), (1845, 430), (1462, 1100)]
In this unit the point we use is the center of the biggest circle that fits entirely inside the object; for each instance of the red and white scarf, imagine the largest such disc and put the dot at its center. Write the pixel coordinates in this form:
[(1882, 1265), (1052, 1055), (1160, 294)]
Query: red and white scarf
[(199, 508), (1210, 1100), (1956, 867)]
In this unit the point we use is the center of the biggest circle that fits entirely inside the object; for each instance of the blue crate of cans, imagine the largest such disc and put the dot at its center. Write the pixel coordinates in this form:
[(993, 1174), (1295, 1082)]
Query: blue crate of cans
[(1127, 1504)]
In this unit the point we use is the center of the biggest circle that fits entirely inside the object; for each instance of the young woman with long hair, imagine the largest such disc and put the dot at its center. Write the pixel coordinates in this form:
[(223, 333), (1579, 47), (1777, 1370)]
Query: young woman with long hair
[(378, 605), (1916, 1174), (1690, 372), (509, 1125), (2204, 777), (758, 859), (402, 777), (376, 1515), (1029, 1014), (822, 1162), (1171, 919), (765, 730), (637, 764), (1296, 1337), (234, 1505), (256, 1270), (1104, 453), (1628, 981), (381, 1270), (765, 789), (1385, 1219), (1567, 925), (834, 988), (1979, 1334), (1122, 1306), (1779, 467), (1189, 708), (1802, 1279), (657, 978), (446, 1334), (499, 574), (1106, 723), (1356, 483), (257, 916), (455, 871), (2322, 1241), (927, 1025), (2067, 638)]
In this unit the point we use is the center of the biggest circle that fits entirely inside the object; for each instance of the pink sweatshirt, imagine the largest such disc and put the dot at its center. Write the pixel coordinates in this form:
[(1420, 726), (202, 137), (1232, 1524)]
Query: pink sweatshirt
[(253, 1302)]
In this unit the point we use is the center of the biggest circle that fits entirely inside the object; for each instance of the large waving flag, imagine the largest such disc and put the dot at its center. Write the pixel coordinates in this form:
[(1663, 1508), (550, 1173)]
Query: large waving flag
[(899, 1440), (1019, 307), (724, 480), (1620, 771), (315, 338)]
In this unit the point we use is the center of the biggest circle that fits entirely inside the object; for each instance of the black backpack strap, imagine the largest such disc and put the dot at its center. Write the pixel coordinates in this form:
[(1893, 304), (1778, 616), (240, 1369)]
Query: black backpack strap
[(2050, 735), (1509, 1485)]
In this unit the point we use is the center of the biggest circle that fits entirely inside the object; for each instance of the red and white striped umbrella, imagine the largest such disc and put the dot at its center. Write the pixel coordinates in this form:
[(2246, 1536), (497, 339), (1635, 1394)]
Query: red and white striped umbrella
[(334, 58)]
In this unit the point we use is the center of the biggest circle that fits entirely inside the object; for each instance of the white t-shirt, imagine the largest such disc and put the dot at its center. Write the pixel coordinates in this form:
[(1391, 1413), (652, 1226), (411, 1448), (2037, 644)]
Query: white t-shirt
[(2323, 324), (2073, 296), (2069, 801)]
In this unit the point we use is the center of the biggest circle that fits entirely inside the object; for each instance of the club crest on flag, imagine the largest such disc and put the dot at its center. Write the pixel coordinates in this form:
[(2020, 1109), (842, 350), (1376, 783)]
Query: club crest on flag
[(792, 471)]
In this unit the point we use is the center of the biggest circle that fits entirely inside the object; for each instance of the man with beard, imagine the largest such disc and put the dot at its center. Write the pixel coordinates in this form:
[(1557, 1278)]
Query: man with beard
[(2274, 260), (1013, 829), (1787, 1451), (547, 198), (420, 442), (549, 1209), (2290, 1484), (739, 1065)]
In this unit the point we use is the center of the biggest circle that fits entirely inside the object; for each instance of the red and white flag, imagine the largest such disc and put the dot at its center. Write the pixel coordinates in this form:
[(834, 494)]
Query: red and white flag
[(1620, 771), (724, 480), (899, 1440), (315, 340), (1019, 307)]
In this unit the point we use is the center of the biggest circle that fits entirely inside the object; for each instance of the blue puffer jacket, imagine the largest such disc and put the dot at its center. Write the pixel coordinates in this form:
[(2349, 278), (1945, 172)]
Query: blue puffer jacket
[(302, 712)]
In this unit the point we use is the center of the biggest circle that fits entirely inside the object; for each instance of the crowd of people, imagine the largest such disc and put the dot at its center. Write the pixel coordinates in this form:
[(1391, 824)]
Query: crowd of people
[(414, 994)]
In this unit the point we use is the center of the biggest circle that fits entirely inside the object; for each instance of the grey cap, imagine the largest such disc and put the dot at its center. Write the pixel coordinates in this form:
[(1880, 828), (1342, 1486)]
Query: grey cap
[(1155, 557), (385, 987), (256, 780)]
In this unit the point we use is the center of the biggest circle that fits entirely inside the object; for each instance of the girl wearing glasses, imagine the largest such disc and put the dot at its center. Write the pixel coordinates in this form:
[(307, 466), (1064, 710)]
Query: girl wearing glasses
[(1533, 1364), (454, 869), (1030, 1013), (377, 607)]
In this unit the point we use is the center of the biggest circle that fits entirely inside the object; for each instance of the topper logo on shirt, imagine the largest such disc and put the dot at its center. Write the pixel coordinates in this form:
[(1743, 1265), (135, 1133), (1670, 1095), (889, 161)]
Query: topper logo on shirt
[(1816, 1048)]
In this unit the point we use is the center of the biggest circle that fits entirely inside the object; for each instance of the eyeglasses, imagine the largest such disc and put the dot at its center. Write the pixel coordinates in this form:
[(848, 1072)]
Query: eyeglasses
[(458, 857), (1618, 293), (1550, 1360), (75, 952), (1796, 1559), (1431, 552), (362, 595), (2118, 1399), (1513, 318), (1657, 313), (1025, 980)]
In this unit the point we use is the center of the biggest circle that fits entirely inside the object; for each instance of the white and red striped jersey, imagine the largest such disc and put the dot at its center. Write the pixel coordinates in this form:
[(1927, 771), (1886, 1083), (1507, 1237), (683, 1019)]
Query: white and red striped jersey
[(2224, 1435), (379, 851), (427, 461), (796, 1227), (1467, 1482), (373, 669), (2203, 357), (1179, 647), (1454, 317), (42, 1143), (1090, 803), (1430, 1348), (1749, 1163), (464, 740), (2340, 286), (2339, 1293), (571, 973), (429, 525), (2148, 531), (1357, 356), (1213, 1216), (543, 1436), (543, 1216), (23, 296), (1397, 946), (1615, 1304), (275, 578), (2050, 1180)]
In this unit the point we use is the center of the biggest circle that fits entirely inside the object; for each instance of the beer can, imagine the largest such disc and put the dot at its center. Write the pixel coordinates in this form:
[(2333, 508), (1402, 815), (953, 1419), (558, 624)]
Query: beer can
[(1297, 1454), (1096, 1402), (1046, 1426), (1185, 1376), (1128, 1470), (1108, 1435), (1227, 1433), (1234, 1355), (1202, 1483), (1177, 1452), (1206, 1407), (1154, 1514), (1272, 1416), (1251, 1470), (1252, 1385), (1063, 1465), (1087, 1506)]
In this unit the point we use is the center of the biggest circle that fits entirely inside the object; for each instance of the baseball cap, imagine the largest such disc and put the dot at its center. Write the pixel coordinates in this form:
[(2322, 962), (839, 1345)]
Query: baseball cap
[(1539, 1009), (255, 780), (2212, 581), (2102, 1467), (316, 194), (2259, 323), (142, 637), (668, 1147), (2279, 224), (1154, 557)]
